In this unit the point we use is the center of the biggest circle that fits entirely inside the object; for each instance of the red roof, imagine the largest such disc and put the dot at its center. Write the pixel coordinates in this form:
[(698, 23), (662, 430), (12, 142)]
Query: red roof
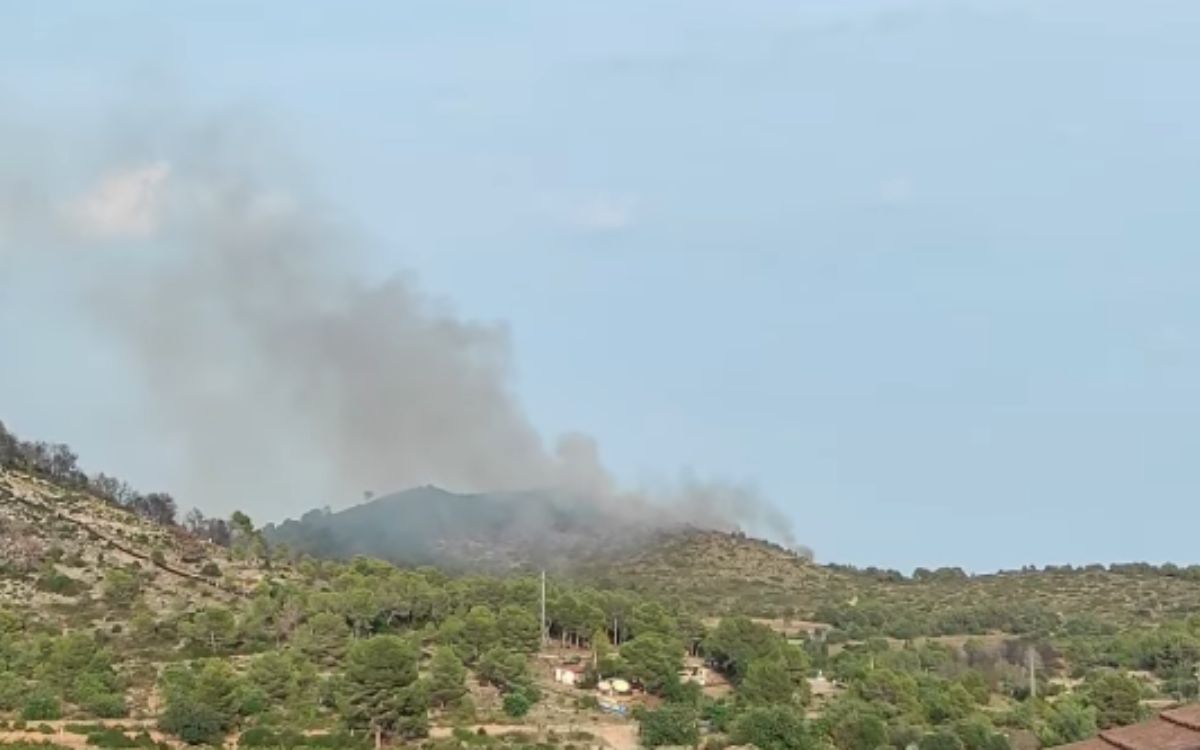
[(1174, 729)]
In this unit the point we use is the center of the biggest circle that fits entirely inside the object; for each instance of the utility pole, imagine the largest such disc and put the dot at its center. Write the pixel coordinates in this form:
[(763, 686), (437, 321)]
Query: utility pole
[(1032, 672), (544, 631)]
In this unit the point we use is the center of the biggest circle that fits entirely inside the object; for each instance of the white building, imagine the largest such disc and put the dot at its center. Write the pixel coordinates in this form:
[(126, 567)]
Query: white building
[(568, 675)]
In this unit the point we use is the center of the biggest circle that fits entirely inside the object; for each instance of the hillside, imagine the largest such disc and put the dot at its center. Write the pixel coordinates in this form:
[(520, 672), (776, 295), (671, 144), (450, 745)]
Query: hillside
[(61, 550), (57, 547), (719, 573), (114, 620), (489, 532)]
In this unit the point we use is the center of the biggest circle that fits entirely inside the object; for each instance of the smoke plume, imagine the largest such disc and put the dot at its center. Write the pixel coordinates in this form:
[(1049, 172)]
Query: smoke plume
[(285, 380)]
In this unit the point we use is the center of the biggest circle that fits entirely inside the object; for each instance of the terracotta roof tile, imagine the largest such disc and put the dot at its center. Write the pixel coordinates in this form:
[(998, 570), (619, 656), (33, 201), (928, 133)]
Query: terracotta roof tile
[(1156, 734), (1186, 716)]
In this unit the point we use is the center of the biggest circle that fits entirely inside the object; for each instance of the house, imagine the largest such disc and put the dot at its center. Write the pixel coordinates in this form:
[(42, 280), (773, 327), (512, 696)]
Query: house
[(568, 675), (1173, 729)]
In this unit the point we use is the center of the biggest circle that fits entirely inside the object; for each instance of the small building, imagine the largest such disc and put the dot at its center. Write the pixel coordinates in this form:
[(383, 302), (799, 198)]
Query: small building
[(568, 675)]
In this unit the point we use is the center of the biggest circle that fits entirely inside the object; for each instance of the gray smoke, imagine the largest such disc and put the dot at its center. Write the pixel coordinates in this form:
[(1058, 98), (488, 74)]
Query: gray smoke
[(283, 379)]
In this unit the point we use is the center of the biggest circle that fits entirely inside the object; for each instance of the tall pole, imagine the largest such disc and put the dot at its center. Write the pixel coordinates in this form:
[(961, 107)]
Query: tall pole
[(544, 608), (1032, 674)]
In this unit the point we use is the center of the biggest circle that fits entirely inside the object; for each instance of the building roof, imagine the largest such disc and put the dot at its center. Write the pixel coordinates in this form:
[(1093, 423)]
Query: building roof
[(1174, 729)]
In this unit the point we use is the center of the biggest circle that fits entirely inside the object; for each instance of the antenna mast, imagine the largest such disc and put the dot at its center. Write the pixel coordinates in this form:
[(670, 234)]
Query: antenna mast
[(1032, 673), (543, 608)]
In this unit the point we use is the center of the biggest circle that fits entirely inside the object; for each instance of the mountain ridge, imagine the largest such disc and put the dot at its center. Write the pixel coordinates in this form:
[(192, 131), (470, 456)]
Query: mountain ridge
[(493, 532)]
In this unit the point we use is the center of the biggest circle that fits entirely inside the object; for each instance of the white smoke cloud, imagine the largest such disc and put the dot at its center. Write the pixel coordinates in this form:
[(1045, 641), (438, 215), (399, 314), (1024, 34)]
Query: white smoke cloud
[(287, 381), (126, 203)]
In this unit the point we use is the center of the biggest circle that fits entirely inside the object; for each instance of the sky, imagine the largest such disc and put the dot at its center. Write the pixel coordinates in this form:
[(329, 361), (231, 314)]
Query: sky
[(924, 273)]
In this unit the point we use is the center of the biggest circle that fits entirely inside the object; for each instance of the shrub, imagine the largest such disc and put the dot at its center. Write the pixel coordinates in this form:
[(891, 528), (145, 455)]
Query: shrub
[(110, 738), (670, 725), (42, 705), (337, 741), (193, 722), (57, 583), (258, 737), (517, 704), (12, 691), (106, 706)]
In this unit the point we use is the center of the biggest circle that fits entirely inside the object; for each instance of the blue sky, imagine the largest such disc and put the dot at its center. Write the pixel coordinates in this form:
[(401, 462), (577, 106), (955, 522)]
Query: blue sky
[(924, 272)]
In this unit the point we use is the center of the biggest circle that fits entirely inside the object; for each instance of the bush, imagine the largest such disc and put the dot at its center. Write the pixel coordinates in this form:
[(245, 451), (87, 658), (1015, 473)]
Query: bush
[(258, 737), (12, 691), (517, 704), (772, 728), (210, 570), (57, 583), (106, 706), (337, 741), (42, 705), (670, 725), (110, 738), (193, 722), (940, 740)]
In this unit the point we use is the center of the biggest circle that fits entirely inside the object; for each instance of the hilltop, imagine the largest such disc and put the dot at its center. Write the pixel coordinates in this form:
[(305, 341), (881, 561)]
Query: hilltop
[(483, 532)]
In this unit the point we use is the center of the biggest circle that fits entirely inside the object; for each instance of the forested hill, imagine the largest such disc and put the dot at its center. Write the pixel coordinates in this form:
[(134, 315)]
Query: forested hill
[(496, 532), (720, 573), (728, 573), (712, 573), (207, 634)]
